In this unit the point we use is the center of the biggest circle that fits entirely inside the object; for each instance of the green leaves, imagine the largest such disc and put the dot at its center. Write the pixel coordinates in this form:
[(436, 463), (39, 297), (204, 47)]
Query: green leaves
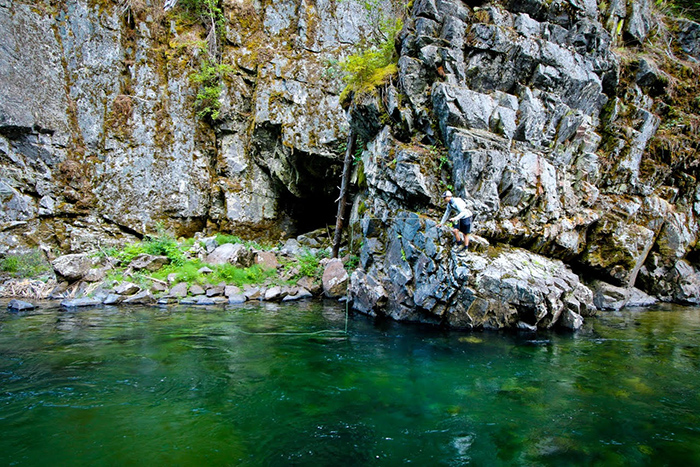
[(25, 265), (373, 66), (209, 79)]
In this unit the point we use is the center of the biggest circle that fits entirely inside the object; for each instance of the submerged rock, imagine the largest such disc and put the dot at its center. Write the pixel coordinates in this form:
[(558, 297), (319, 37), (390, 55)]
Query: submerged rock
[(19, 305), (81, 302)]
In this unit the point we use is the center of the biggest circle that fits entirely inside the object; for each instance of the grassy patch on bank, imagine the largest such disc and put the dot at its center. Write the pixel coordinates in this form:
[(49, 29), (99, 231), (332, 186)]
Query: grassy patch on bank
[(189, 272), (31, 264), (186, 264)]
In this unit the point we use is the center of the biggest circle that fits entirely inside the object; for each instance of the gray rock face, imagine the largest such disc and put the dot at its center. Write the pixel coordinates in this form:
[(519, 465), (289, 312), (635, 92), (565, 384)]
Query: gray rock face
[(419, 279), (72, 267), (689, 38), (92, 122), (524, 95), (335, 279)]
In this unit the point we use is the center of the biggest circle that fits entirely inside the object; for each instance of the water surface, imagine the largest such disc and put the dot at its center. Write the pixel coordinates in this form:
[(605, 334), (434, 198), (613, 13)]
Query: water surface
[(239, 386)]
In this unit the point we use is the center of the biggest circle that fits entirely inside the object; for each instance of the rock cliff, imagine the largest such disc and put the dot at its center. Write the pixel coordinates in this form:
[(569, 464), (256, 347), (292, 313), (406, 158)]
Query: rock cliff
[(552, 119), (99, 137), (570, 126)]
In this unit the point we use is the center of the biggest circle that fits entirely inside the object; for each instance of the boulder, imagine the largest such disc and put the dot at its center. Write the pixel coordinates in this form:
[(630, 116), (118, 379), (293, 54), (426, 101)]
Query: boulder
[(237, 254), (252, 292), (310, 284), (298, 293), (216, 290), (231, 290), (113, 299), (291, 248), (148, 262), (266, 259), (127, 288), (335, 279), (235, 299), (145, 297), (72, 267), (19, 305), (275, 293), (609, 297), (179, 289), (95, 275)]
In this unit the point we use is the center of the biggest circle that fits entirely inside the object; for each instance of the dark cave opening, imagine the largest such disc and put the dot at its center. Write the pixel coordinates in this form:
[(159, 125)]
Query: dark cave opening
[(314, 205), (306, 183), (308, 214)]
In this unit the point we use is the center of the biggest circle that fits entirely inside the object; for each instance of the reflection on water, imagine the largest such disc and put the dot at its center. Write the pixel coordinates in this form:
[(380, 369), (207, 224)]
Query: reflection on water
[(240, 386)]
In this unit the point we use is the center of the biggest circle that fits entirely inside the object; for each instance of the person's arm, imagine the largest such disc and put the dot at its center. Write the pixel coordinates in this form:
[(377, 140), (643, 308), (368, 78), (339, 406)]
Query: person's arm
[(447, 213)]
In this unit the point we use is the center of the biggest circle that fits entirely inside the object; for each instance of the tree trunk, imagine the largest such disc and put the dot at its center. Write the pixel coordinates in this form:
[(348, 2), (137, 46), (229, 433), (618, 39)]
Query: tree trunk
[(343, 199)]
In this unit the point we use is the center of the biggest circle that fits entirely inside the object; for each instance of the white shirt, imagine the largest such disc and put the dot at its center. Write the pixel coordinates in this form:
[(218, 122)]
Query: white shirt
[(458, 205)]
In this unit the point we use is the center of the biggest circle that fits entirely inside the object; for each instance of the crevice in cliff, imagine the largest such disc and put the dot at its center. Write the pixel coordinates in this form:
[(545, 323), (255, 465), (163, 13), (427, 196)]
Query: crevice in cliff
[(312, 203), (124, 228)]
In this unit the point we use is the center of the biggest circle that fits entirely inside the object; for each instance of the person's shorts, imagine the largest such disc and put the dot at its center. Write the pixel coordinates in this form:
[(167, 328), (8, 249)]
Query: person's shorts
[(464, 225)]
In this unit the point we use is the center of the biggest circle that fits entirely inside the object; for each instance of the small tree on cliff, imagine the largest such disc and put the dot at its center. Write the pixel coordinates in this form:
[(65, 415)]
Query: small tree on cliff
[(371, 67)]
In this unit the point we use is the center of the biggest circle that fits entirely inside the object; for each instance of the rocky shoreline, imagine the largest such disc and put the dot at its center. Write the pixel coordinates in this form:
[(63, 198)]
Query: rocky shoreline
[(82, 279), (424, 279)]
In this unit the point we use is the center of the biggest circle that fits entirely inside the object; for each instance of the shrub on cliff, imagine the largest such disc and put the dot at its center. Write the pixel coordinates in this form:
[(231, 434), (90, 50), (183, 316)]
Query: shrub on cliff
[(372, 65)]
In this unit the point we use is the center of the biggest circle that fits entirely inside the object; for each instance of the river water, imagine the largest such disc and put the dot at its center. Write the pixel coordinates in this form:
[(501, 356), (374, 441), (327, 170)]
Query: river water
[(264, 384)]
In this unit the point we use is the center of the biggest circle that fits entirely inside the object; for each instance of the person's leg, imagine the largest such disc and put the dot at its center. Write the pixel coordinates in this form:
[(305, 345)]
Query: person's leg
[(457, 234), (466, 230)]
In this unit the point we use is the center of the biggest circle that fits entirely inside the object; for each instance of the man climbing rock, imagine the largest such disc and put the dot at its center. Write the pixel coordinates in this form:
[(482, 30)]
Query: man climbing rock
[(462, 222)]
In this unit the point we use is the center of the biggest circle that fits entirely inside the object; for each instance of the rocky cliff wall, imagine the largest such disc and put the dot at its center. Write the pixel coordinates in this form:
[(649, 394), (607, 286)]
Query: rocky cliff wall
[(546, 117), (99, 137)]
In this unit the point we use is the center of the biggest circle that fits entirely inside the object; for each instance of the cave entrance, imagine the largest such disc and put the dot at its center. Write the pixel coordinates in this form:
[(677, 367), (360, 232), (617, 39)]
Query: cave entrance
[(313, 206)]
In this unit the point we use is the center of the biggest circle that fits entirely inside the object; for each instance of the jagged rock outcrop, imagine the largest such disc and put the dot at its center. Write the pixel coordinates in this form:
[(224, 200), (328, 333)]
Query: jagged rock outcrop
[(549, 141), (417, 277)]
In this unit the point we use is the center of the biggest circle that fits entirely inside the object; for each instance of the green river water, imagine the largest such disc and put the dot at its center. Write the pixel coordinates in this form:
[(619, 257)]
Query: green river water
[(237, 386)]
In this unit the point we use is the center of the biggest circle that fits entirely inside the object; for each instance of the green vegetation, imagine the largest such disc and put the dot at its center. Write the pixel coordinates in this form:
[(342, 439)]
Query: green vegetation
[(240, 276), (162, 244), (688, 8), (207, 12), (186, 265), (30, 264), (309, 265), (209, 79), (376, 60), (368, 69)]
